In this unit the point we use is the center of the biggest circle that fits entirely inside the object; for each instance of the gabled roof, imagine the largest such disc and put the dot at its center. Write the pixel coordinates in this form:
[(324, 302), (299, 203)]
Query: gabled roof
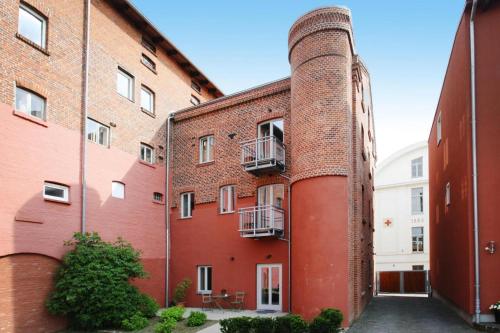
[(136, 18)]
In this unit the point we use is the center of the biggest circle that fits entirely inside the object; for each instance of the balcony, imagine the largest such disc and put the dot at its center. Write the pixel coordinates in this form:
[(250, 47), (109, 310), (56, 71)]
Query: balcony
[(263, 155), (261, 221)]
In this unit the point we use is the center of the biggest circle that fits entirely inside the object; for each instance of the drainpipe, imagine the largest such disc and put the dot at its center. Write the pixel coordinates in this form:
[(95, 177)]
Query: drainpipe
[(167, 210), (289, 242), (477, 315), (85, 96)]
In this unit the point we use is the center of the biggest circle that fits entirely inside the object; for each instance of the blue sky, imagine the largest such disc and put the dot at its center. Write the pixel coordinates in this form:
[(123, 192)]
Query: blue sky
[(405, 45)]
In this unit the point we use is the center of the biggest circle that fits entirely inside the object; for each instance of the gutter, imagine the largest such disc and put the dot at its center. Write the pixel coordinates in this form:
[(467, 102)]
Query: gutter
[(477, 310), (167, 211), (85, 97)]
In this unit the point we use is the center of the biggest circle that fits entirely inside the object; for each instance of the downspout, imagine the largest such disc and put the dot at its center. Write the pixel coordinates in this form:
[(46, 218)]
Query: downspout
[(85, 97), (289, 205), (167, 211), (477, 312)]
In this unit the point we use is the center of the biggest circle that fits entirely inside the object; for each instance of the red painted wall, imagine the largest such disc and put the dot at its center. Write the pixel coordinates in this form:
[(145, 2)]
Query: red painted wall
[(210, 238), (320, 245)]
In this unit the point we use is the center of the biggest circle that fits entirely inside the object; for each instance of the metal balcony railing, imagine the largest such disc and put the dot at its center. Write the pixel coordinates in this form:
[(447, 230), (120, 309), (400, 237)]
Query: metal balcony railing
[(263, 154), (261, 221)]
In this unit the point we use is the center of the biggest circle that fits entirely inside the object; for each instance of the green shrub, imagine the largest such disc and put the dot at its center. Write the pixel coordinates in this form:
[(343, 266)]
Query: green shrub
[(236, 325), (263, 325), (290, 324), (181, 290), (328, 321), (166, 325), (175, 312), (135, 323), (92, 286), (196, 318), (148, 306)]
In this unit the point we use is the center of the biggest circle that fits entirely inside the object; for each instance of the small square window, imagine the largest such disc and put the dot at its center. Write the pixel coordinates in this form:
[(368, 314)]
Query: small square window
[(195, 100), (97, 132), (32, 26), (30, 103), (207, 149), (147, 99), (56, 192), (147, 153), (417, 267), (146, 61), (118, 190), (227, 199), (205, 279), (125, 84), (196, 87), (187, 204), (158, 197)]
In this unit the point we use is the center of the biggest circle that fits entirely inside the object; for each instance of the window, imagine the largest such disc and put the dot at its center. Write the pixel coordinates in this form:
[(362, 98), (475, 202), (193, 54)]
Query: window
[(148, 44), (417, 267), (147, 153), (207, 149), (417, 239), (417, 167), (227, 199), (55, 192), (118, 190), (438, 129), (97, 132), (32, 26), (147, 99), (30, 103), (205, 279), (146, 61), (417, 200), (187, 204), (125, 84), (196, 87), (195, 100), (271, 195), (448, 194), (158, 197)]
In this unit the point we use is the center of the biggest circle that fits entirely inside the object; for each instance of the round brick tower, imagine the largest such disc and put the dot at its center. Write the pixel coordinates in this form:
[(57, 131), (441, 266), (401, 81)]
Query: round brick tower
[(320, 54)]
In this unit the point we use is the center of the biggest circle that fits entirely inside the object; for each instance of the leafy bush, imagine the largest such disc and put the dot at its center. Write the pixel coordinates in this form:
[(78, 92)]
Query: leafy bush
[(166, 325), (263, 325), (196, 318), (290, 324), (175, 312), (92, 286), (181, 290), (148, 306), (236, 325), (135, 323), (328, 321)]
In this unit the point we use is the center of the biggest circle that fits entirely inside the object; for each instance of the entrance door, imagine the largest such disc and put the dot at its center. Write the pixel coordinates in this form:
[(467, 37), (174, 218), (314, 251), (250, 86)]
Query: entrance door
[(269, 287)]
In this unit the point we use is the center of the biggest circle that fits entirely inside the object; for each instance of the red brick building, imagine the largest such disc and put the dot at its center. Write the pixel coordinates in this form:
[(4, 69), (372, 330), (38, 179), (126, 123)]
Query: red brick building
[(86, 88), (465, 270)]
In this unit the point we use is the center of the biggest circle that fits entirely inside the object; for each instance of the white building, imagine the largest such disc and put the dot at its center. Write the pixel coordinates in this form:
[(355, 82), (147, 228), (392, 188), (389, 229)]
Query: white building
[(401, 203)]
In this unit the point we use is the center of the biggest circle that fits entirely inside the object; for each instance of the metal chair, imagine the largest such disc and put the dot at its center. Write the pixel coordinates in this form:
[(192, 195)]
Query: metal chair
[(239, 300), (206, 301)]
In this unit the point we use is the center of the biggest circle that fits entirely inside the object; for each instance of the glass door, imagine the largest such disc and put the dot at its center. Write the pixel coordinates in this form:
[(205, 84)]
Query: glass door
[(269, 289), (266, 133)]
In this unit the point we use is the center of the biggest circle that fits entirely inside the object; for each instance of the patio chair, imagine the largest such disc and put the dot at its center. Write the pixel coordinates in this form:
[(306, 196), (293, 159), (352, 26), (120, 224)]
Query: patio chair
[(206, 301), (239, 300)]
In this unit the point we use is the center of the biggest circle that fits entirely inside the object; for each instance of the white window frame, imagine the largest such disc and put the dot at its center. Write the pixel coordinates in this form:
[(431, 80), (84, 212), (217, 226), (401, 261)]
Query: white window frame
[(43, 20), (204, 270), (417, 165), (148, 93), (148, 62), (227, 195), (130, 78), (210, 149), (114, 189), (418, 241), (64, 188), (147, 147), (29, 110), (439, 129), (421, 201), (96, 140), (190, 203), (447, 198)]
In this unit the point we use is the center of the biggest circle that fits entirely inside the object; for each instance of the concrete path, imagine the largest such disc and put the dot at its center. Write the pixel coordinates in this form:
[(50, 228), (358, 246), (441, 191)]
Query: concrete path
[(387, 314)]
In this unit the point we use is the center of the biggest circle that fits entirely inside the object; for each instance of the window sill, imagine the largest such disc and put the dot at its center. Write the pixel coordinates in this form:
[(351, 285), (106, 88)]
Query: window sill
[(203, 293), (27, 220), (57, 201), (185, 218), (149, 113), (203, 164), (30, 43), (227, 213), (126, 97), (147, 164), (33, 119), (159, 202)]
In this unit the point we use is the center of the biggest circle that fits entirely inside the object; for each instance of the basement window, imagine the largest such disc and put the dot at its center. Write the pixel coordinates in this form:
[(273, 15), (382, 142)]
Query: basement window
[(55, 192)]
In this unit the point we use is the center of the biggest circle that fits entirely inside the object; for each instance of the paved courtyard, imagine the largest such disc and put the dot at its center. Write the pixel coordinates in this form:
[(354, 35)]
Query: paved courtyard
[(394, 314)]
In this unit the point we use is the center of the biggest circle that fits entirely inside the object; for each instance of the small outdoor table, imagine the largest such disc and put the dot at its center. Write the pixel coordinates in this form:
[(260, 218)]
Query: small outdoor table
[(218, 299)]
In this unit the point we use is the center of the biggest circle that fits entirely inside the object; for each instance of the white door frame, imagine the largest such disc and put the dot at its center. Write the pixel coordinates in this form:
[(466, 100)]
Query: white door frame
[(261, 306)]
